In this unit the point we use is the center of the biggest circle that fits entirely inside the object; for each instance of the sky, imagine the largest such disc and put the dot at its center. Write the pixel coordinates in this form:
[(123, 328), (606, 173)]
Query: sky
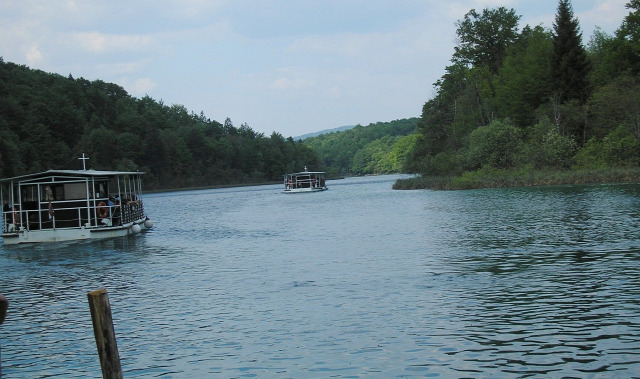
[(287, 66)]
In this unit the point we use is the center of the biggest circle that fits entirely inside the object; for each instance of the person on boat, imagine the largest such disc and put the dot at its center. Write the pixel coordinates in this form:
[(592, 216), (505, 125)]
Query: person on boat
[(111, 204), (114, 204)]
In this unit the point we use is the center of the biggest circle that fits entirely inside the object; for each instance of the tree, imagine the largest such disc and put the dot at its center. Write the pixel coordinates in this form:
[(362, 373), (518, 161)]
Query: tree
[(614, 104), (603, 51), (484, 38), (570, 65), (570, 70), (628, 36), (523, 84)]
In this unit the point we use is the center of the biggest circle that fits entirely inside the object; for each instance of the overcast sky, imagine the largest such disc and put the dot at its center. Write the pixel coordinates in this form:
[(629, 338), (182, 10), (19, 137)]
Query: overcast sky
[(290, 66)]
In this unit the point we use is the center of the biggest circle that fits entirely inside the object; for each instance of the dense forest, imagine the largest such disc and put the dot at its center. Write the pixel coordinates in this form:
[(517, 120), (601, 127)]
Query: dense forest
[(515, 103), (47, 121), (379, 148)]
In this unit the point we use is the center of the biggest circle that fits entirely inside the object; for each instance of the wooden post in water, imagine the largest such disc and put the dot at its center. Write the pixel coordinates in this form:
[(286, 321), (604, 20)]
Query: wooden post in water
[(4, 305), (105, 335)]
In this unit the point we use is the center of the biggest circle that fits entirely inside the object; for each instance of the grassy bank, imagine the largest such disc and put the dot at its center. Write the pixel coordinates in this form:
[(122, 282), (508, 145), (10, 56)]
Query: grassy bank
[(492, 178)]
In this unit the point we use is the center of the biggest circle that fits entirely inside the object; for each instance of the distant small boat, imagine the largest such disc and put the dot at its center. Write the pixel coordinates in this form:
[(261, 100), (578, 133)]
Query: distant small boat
[(62, 205), (305, 181)]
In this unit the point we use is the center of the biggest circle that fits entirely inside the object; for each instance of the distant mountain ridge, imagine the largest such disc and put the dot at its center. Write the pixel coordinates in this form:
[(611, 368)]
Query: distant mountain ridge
[(326, 131)]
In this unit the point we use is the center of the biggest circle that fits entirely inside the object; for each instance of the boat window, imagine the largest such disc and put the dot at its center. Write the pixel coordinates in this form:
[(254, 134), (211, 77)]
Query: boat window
[(51, 192), (100, 189), (30, 193), (75, 191), (46, 193)]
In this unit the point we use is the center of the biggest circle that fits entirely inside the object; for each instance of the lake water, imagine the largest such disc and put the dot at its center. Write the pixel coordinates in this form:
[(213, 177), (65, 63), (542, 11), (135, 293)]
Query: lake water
[(357, 281)]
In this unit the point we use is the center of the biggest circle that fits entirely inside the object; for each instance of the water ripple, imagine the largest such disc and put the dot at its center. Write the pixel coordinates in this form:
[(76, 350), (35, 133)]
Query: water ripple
[(357, 281)]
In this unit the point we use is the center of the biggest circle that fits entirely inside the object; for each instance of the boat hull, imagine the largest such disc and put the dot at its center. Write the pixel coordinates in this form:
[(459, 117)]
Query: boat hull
[(70, 234), (302, 190)]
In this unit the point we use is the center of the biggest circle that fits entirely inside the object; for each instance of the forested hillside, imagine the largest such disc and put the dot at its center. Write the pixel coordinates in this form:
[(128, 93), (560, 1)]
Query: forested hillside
[(517, 102), (379, 148), (47, 121)]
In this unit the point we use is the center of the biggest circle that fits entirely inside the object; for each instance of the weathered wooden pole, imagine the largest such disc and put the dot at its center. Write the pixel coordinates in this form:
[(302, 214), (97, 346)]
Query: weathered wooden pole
[(4, 305), (105, 335)]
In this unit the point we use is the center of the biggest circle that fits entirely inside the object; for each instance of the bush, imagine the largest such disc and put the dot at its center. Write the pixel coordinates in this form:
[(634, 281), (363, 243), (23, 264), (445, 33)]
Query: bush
[(547, 148), (495, 145), (618, 149)]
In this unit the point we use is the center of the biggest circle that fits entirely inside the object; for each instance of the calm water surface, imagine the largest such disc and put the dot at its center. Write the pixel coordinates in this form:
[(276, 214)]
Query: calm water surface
[(357, 281)]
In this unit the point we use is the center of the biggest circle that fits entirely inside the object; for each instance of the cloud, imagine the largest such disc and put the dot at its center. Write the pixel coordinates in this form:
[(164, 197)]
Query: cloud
[(108, 43), (348, 44), (34, 56), (290, 78), (123, 68), (137, 87), (607, 14), (195, 9), (143, 85), (290, 83)]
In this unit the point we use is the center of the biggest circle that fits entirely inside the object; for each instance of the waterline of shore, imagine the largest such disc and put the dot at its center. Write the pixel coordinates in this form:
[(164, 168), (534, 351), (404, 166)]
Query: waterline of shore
[(492, 178)]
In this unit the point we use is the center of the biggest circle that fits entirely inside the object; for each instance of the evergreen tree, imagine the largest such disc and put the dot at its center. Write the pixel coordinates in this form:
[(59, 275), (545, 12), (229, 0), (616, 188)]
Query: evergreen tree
[(570, 66)]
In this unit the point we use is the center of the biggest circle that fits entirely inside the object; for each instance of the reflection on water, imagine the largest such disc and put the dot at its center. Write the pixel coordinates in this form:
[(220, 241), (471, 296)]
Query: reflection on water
[(357, 281)]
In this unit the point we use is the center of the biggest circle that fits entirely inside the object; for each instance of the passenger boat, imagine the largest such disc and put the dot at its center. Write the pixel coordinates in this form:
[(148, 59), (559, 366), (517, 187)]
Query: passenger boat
[(62, 205), (305, 181)]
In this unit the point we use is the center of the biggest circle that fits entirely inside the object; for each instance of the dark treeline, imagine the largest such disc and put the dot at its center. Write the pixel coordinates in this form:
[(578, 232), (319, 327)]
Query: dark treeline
[(531, 100), (379, 148), (47, 121)]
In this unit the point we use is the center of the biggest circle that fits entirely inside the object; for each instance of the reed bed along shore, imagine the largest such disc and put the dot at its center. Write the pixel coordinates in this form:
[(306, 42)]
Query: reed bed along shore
[(492, 178)]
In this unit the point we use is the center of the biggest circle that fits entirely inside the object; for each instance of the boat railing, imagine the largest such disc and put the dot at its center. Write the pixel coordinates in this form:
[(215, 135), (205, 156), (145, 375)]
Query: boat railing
[(132, 211), (305, 182), (71, 217)]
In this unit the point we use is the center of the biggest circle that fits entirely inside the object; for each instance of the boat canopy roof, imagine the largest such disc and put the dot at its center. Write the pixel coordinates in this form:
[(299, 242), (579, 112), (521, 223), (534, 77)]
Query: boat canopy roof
[(307, 172), (71, 173)]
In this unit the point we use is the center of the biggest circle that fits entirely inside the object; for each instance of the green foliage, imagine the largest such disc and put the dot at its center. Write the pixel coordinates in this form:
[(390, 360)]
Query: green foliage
[(379, 148), (492, 178), (570, 66), (616, 103), (627, 48), (484, 37), (523, 83), (618, 149), (605, 57), (548, 148), (548, 105), (495, 145), (47, 121)]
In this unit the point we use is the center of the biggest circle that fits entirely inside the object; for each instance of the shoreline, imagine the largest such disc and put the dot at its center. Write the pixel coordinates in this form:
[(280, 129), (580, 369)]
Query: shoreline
[(218, 186), (491, 178)]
